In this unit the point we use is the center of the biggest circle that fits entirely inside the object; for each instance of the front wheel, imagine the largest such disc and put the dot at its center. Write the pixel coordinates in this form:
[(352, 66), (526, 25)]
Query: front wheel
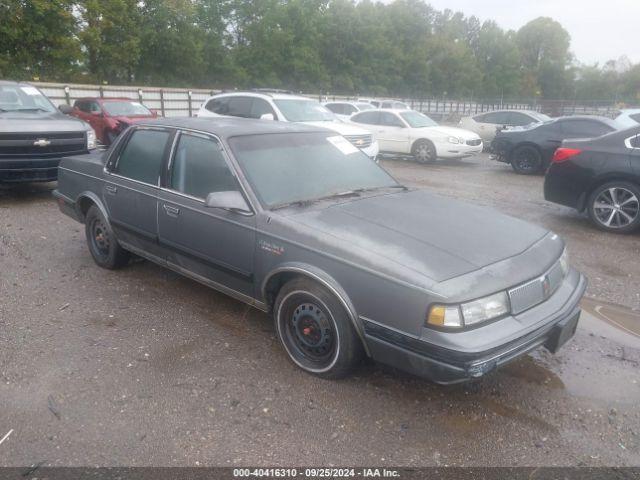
[(315, 330), (424, 151), (526, 160), (615, 207), (103, 245)]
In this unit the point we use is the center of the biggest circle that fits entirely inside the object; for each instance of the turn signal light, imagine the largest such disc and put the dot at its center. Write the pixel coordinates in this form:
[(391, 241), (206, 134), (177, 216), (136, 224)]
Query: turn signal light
[(564, 154)]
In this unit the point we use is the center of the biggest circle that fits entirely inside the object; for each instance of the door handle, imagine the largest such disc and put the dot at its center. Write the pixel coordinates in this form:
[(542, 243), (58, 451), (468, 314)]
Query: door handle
[(171, 211), (111, 189)]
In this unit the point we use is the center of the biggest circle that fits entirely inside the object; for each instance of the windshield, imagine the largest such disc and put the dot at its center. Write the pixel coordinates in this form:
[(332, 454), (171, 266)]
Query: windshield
[(125, 109), (300, 110), (294, 167), (364, 106), (417, 119), (23, 98)]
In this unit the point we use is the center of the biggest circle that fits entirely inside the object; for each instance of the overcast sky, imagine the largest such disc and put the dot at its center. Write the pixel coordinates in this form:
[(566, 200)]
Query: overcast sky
[(600, 29)]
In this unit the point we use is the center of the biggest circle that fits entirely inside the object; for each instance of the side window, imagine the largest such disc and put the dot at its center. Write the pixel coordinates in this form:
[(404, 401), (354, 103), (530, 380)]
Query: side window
[(199, 167), (519, 119), (82, 106), (218, 105), (94, 107), (349, 109), (240, 106), (635, 141), (497, 118), (142, 156), (480, 118), (385, 105), (368, 118), (260, 107), (636, 117), (390, 120), (584, 128), (335, 108)]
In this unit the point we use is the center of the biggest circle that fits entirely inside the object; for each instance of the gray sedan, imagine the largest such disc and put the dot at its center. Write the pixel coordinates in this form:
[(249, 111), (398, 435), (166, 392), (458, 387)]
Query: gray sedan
[(296, 221)]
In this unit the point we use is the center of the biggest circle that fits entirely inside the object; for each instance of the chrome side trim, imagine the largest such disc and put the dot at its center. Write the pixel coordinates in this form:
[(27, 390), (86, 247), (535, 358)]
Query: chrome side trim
[(198, 278)]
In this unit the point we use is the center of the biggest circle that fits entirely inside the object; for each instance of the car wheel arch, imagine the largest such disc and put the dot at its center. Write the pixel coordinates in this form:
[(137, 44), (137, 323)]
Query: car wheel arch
[(598, 182), (85, 201), (283, 273)]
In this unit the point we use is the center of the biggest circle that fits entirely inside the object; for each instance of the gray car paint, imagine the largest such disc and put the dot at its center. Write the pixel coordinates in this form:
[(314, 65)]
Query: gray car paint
[(387, 256)]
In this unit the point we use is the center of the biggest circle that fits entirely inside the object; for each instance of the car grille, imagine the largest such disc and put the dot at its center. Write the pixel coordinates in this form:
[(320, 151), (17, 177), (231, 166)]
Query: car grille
[(536, 291), (474, 143), (360, 141), (17, 145)]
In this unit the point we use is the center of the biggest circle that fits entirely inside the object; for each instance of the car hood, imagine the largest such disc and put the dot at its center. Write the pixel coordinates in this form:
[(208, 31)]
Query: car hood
[(436, 237), (451, 132), (340, 127), (40, 122)]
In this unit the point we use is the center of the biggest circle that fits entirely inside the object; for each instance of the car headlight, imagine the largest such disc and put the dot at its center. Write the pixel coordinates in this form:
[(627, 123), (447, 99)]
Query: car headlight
[(469, 313), (454, 140), (91, 139)]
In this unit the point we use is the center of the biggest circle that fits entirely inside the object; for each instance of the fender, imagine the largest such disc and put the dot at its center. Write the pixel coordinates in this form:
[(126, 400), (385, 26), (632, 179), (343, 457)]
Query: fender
[(95, 199), (325, 280)]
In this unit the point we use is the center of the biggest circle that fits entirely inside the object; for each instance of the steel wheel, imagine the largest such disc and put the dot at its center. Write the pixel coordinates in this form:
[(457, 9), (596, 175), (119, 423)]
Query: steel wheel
[(616, 208), (100, 237)]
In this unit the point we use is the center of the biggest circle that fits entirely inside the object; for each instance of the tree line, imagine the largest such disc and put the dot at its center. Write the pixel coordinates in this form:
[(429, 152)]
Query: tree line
[(404, 48)]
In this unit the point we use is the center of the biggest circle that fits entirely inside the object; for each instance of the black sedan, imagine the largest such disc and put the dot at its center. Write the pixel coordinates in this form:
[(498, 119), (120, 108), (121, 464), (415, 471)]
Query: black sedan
[(529, 150), (601, 176)]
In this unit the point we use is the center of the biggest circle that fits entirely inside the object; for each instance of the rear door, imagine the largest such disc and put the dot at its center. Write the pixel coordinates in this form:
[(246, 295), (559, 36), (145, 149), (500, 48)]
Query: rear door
[(634, 143), (214, 244), (132, 184)]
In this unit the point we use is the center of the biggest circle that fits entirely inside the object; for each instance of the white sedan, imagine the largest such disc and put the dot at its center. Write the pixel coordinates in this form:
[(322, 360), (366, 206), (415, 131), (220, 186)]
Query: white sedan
[(408, 132)]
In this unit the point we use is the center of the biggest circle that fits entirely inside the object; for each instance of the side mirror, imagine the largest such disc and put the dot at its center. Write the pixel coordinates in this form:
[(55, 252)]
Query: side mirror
[(66, 109), (267, 116), (229, 200)]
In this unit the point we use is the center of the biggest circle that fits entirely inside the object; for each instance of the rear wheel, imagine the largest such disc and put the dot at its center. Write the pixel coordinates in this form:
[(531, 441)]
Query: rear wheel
[(103, 245), (315, 330), (615, 207), (424, 151), (526, 160)]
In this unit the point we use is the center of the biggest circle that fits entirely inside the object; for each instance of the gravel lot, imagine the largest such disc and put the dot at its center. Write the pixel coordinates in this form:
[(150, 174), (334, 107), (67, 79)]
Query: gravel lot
[(144, 367)]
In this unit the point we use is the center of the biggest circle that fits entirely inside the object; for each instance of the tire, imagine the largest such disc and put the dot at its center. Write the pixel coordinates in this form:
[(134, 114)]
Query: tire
[(615, 207), (315, 330), (102, 243), (526, 160), (424, 151)]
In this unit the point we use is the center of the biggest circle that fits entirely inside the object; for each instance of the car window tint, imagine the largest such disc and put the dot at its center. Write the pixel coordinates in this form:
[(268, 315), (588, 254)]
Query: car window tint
[(349, 109), (218, 105), (335, 107), (142, 156), (261, 107), (83, 106), (519, 119), (480, 118), (636, 117), (584, 128), (390, 120), (94, 107), (497, 118), (368, 118), (199, 168), (635, 141), (240, 106)]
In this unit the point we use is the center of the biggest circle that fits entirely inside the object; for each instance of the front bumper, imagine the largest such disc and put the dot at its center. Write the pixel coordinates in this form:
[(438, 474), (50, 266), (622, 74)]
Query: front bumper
[(447, 366), (28, 170), (451, 150)]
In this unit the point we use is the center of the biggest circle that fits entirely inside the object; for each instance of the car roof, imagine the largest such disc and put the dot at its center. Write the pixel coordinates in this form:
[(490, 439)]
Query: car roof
[(608, 121), (107, 99), (629, 111), (12, 82), (265, 95), (226, 127)]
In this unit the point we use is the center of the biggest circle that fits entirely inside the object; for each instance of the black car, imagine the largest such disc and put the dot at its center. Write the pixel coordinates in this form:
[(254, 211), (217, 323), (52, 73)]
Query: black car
[(35, 135), (530, 149), (601, 176)]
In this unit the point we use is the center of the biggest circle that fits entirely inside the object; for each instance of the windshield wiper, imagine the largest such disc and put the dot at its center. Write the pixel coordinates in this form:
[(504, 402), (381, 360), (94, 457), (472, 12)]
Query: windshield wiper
[(30, 109), (356, 192)]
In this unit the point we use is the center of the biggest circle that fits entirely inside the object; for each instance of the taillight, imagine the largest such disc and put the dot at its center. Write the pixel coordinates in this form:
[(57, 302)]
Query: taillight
[(564, 154)]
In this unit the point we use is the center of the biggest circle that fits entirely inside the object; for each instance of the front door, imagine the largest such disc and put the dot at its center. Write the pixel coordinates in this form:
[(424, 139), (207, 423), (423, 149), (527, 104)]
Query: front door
[(214, 244), (131, 188), (392, 134)]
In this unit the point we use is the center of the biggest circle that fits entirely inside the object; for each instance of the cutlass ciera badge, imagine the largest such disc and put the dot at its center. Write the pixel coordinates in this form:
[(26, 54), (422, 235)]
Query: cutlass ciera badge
[(42, 142)]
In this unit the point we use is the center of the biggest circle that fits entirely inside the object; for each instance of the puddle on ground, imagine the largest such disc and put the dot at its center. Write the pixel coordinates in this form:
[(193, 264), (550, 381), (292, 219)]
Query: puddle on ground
[(527, 369), (618, 316)]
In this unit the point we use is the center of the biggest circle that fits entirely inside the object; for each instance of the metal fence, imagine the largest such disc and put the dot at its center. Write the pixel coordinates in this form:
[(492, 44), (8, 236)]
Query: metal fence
[(173, 102)]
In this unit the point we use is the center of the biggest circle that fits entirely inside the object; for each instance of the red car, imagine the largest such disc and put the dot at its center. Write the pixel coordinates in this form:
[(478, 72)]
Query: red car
[(110, 116)]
